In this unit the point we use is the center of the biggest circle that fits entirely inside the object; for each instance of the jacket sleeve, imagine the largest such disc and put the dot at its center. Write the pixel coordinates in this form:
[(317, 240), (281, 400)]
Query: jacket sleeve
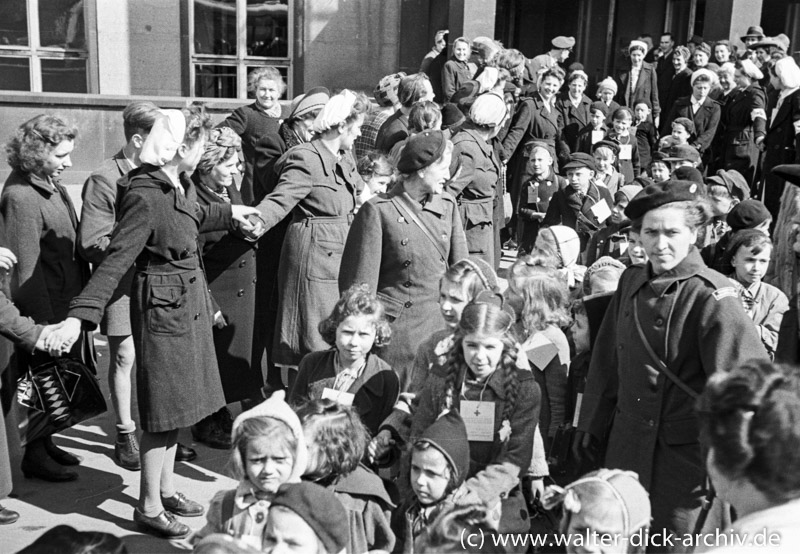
[(555, 377), (21, 330), (516, 131), (553, 215), (236, 121), (215, 216), (758, 113), (703, 141), (768, 330), (98, 215), (268, 150), (656, 107), (299, 391), (458, 240), (294, 184), (465, 157), (636, 161), (361, 259), (449, 79)]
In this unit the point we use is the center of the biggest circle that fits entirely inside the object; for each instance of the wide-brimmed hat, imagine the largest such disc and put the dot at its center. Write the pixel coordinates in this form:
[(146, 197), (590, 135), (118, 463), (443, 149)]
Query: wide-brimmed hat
[(754, 31)]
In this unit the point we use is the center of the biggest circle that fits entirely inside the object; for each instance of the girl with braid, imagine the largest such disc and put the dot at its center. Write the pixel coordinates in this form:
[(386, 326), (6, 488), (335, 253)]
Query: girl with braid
[(499, 403)]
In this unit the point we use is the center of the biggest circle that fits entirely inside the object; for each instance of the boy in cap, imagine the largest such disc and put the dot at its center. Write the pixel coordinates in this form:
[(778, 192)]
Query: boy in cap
[(659, 168), (748, 214), (682, 132), (583, 206), (606, 174), (724, 191), (613, 240), (595, 130), (704, 112), (606, 92), (681, 156)]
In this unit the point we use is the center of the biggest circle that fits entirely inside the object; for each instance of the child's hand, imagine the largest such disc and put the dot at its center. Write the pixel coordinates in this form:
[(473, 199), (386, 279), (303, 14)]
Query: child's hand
[(537, 488), (380, 445)]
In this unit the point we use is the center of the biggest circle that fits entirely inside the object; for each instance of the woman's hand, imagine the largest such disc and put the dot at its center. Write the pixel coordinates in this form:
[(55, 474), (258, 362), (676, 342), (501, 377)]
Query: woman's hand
[(380, 445), (7, 259), (240, 213), (62, 336), (585, 447)]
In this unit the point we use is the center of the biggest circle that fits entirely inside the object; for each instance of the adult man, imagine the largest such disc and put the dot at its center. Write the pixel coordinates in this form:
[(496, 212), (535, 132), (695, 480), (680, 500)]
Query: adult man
[(439, 44), (662, 57), (558, 54), (754, 34)]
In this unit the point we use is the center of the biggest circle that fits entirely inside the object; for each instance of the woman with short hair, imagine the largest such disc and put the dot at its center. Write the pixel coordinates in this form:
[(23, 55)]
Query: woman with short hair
[(574, 107)]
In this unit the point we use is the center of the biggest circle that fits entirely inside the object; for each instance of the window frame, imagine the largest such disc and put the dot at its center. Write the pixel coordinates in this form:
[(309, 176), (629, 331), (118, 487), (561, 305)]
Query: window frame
[(241, 61)]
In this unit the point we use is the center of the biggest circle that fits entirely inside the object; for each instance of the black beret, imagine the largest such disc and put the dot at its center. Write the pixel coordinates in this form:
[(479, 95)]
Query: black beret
[(320, 509), (688, 173), (658, 194), (679, 152), (599, 106), (608, 143), (747, 214), (421, 150), (578, 160), (790, 172), (452, 116)]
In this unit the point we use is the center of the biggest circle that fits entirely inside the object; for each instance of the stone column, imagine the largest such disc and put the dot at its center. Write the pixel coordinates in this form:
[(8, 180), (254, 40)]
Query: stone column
[(730, 19)]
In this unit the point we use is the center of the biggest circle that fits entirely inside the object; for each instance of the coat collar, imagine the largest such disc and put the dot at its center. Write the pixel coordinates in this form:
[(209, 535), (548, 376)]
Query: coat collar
[(123, 165), (328, 158), (45, 187), (151, 176), (691, 265), (434, 203)]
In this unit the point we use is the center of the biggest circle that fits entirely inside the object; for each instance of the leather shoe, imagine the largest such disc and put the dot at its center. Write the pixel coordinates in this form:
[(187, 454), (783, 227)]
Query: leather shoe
[(46, 470), (7, 517), (179, 505), (210, 432), (184, 454), (126, 451), (163, 525), (61, 456)]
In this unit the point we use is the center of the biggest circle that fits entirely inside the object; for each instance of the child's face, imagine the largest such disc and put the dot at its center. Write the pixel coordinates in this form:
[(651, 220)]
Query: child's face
[(636, 251), (288, 533), (751, 267), (604, 163), (680, 134), (618, 211), (267, 464), (604, 528), (579, 177), (721, 200), (641, 111), (622, 125), (482, 353), (355, 336), (541, 162), (452, 301), (430, 474), (579, 331), (607, 95), (378, 183), (596, 118), (660, 171)]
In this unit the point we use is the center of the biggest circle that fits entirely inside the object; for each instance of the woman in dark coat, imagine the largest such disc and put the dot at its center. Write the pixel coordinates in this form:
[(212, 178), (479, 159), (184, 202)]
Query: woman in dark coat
[(318, 183), (706, 118), (678, 87), (401, 243), (573, 108), (41, 228), (744, 121), (177, 376), (229, 260), (671, 324), (646, 86)]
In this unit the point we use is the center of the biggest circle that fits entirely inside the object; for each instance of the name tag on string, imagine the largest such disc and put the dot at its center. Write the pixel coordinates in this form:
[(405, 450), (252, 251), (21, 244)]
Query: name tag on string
[(479, 419), (577, 416), (625, 151), (597, 136), (343, 398), (533, 194), (601, 211)]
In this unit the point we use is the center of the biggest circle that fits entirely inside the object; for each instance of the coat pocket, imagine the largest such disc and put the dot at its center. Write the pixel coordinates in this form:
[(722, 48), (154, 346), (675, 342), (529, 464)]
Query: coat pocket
[(394, 308), (168, 310), (477, 213), (325, 254)]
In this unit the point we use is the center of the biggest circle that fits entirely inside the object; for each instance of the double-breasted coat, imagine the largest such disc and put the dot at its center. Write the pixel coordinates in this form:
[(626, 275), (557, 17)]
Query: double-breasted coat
[(781, 146), (230, 265), (646, 88), (475, 189), (400, 262), (177, 377), (573, 118), (534, 199), (694, 321), (679, 86), (571, 208), (319, 188), (744, 119), (705, 120)]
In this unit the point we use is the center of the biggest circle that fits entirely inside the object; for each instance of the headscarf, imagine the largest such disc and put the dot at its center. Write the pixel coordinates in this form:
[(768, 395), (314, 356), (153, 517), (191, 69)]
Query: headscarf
[(222, 143), (165, 137), (335, 111)]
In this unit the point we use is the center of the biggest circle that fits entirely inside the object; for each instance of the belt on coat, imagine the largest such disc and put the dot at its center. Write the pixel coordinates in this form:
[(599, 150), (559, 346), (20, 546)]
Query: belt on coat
[(319, 220), (167, 268)]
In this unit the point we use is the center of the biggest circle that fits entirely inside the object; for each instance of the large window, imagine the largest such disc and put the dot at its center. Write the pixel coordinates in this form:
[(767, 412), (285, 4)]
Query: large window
[(43, 46), (231, 37)]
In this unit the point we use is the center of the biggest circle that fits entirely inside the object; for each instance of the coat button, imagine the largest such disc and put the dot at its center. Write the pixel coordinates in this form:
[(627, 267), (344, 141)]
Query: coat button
[(197, 316), (407, 284), (620, 346), (243, 263), (406, 263), (240, 293), (255, 279), (651, 423), (401, 219), (659, 321), (404, 242), (192, 279), (408, 304)]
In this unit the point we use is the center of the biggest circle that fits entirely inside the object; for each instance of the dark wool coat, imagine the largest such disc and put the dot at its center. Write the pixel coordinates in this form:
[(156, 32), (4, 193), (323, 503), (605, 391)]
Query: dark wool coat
[(573, 119), (679, 86), (254, 125), (319, 189), (475, 189), (694, 321), (397, 259), (375, 391), (568, 208), (646, 88), (705, 122), (177, 376), (454, 75), (740, 130), (781, 146), (230, 265), (392, 131), (534, 199), (788, 350)]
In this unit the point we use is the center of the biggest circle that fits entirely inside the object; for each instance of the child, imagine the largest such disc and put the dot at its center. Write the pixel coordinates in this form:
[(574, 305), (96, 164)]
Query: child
[(268, 450), (646, 133), (349, 372), (535, 195), (376, 171), (604, 504), (682, 131), (596, 130), (603, 276), (659, 169), (725, 190), (562, 244), (605, 159), (337, 442), (637, 255), (482, 381), (613, 239), (748, 214), (682, 155), (606, 91), (750, 252), (306, 519), (439, 465), (628, 158)]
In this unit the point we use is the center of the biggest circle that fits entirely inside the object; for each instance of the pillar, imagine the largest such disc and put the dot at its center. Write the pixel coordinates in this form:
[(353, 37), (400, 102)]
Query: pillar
[(730, 19)]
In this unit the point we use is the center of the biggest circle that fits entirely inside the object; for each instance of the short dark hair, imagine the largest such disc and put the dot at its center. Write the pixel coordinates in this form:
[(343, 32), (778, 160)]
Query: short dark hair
[(138, 117), (411, 89), (357, 300), (668, 34)]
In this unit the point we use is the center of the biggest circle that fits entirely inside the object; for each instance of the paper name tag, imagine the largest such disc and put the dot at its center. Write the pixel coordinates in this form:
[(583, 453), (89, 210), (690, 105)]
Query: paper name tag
[(479, 420), (533, 194), (343, 398), (597, 136), (625, 151), (577, 416), (601, 211)]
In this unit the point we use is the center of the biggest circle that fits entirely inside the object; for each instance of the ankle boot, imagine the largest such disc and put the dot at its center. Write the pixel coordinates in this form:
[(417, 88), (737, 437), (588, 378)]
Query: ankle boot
[(126, 451), (61, 456)]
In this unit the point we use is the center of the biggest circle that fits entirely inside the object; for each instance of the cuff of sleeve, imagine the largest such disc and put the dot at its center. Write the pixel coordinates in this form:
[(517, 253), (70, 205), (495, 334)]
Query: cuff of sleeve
[(90, 317)]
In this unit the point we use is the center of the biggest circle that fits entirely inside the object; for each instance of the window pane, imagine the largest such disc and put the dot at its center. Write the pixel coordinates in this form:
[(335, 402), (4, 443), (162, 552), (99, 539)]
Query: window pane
[(61, 24), (215, 27), (67, 75), (268, 28), (15, 74), (215, 81), (283, 70), (13, 23)]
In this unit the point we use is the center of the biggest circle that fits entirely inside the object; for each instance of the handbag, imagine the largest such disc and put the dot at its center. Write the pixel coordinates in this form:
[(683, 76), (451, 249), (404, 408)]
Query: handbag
[(58, 394)]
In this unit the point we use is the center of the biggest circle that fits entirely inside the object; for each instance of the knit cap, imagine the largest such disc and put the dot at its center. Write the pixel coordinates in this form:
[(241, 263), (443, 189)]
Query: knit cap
[(484, 270), (748, 214), (607, 83), (277, 408), (568, 244), (448, 435), (320, 509), (386, 92)]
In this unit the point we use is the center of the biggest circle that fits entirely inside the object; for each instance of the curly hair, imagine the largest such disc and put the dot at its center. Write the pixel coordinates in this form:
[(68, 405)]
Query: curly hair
[(35, 140), (258, 427), (546, 296), (198, 122), (222, 144), (374, 163), (265, 73), (748, 417), (424, 116), (357, 300), (336, 438), (554, 71)]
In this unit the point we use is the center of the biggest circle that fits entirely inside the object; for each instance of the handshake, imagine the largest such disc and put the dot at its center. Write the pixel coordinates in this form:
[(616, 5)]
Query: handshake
[(58, 339), (249, 223)]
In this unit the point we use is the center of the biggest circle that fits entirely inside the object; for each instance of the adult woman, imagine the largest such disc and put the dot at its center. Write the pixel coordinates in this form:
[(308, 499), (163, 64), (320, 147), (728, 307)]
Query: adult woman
[(402, 241), (701, 56), (724, 52), (640, 81), (573, 107), (41, 229), (456, 70), (679, 87), (670, 324), (748, 425), (701, 110), (257, 121), (318, 182), (229, 260), (780, 145), (177, 376), (475, 187), (744, 121)]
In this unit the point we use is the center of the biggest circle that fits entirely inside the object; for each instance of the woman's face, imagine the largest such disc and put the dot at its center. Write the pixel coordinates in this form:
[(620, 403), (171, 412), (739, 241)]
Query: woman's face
[(222, 174), (461, 51), (267, 93), (722, 54), (549, 87), (378, 183), (58, 159), (700, 58), (482, 352), (637, 57), (678, 63), (576, 88), (666, 237), (700, 89), (304, 125), (726, 80), (436, 175), (742, 81), (350, 132)]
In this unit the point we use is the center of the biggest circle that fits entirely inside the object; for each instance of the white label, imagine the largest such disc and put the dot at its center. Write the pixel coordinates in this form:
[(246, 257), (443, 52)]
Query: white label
[(577, 416), (601, 210), (479, 420), (625, 151), (343, 398), (597, 136)]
